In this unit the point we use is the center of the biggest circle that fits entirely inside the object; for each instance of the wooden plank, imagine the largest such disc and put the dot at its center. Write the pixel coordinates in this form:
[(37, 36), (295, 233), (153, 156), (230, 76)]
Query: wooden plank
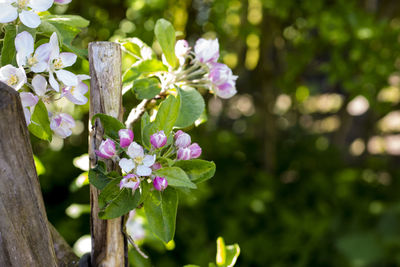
[(25, 239), (109, 247)]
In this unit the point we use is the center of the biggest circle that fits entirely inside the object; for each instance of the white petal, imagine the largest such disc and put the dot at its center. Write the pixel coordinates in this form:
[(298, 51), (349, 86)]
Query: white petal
[(54, 84), (149, 160), (83, 77), (40, 5), (24, 46), (126, 165), (27, 114), (28, 99), (62, 2), (29, 18), (42, 53), (143, 170), (67, 77), (39, 67), (54, 47), (39, 84), (8, 13), (68, 59), (135, 150)]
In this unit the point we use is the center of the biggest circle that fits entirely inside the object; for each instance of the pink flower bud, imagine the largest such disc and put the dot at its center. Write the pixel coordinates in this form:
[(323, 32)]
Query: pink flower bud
[(184, 153), (130, 181), (160, 183), (106, 149), (156, 166), (207, 51), (158, 139), (182, 139), (195, 150), (181, 48), (125, 137), (221, 73)]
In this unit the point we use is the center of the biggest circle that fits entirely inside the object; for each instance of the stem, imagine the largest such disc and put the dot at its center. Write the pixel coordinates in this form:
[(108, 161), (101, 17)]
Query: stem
[(136, 113)]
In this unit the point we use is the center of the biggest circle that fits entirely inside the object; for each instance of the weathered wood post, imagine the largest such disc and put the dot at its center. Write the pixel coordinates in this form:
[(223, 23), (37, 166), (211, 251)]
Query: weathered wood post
[(25, 238), (109, 247)]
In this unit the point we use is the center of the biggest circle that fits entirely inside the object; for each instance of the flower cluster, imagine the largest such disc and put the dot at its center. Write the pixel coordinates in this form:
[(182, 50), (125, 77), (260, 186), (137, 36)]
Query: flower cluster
[(26, 10), (138, 164), (49, 78), (200, 68)]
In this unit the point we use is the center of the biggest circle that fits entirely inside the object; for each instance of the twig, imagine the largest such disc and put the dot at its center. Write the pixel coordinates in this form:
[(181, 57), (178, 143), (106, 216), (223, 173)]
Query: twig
[(136, 113)]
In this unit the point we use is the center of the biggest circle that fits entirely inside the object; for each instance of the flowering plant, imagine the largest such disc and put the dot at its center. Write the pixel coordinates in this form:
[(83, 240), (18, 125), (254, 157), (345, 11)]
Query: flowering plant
[(39, 74), (161, 159)]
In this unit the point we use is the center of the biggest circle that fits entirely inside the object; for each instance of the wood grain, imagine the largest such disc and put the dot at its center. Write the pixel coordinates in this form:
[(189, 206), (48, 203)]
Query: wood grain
[(25, 239), (109, 247)]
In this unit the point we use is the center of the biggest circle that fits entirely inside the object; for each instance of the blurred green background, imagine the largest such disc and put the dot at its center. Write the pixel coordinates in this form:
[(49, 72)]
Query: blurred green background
[(307, 153)]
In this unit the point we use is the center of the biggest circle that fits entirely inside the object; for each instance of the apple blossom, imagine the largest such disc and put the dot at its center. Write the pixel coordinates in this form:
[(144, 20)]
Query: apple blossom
[(142, 162), (61, 124), (57, 62), (207, 51), (158, 139), (106, 149), (184, 153), (76, 94), (220, 74), (125, 137), (195, 150), (130, 181), (25, 9), (12, 76), (62, 2), (24, 46), (126, 165), (181, 50), (182, 139), (160, 183), (226, 90), (156, 166)]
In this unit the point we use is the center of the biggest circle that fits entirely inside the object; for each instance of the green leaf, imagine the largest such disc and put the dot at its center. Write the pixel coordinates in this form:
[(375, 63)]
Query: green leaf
[(226, 255), (40, 123), (192, 106), (160, 211), (175, 177), (165, 119), (132, 48), (115, 202), (70, 20), (165, 34), (98, 176), (110, 124), (144, 121), (8, 50), (146, 88), (198, 170)]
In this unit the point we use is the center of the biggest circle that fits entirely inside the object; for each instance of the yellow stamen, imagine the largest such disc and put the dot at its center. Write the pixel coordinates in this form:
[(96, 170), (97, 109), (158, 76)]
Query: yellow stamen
[(22, 3), (138, 160), (32, 61), (58, 63), (13, 80)]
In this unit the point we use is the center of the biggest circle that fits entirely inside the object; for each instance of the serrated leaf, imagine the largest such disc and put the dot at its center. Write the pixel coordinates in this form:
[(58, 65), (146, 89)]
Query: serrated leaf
[(191, 108), (110, 124), (146, 88), (8, 50), (98, 176), (175, 177), (198, 170), (40, 123), (165, 34), (165, 119), (160, 209), (115, 202)]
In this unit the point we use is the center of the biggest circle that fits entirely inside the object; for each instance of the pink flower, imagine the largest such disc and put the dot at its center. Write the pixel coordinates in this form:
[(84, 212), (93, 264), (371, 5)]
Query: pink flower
[(76, 94), (207, 51), (158, 139), (184, 153), (130, 181), (125, 137), (160, 183), (61, 124), (182, 139), (156, 166), (221, 73), (106, 149), (195, 150), (226, 90)]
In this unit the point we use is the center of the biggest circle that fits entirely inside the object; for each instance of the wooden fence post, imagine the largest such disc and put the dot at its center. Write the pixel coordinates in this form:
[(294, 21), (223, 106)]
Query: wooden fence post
[(109, 246), (25, 238)]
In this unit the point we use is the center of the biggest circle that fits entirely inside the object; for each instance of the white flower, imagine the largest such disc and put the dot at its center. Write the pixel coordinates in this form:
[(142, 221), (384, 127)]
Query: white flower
[(61, 124), (12, 76), (39, 84), (207, 51), (57, 62), (24, 45), (76, 94), (139, 161), (25, 9), (28, 101)]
